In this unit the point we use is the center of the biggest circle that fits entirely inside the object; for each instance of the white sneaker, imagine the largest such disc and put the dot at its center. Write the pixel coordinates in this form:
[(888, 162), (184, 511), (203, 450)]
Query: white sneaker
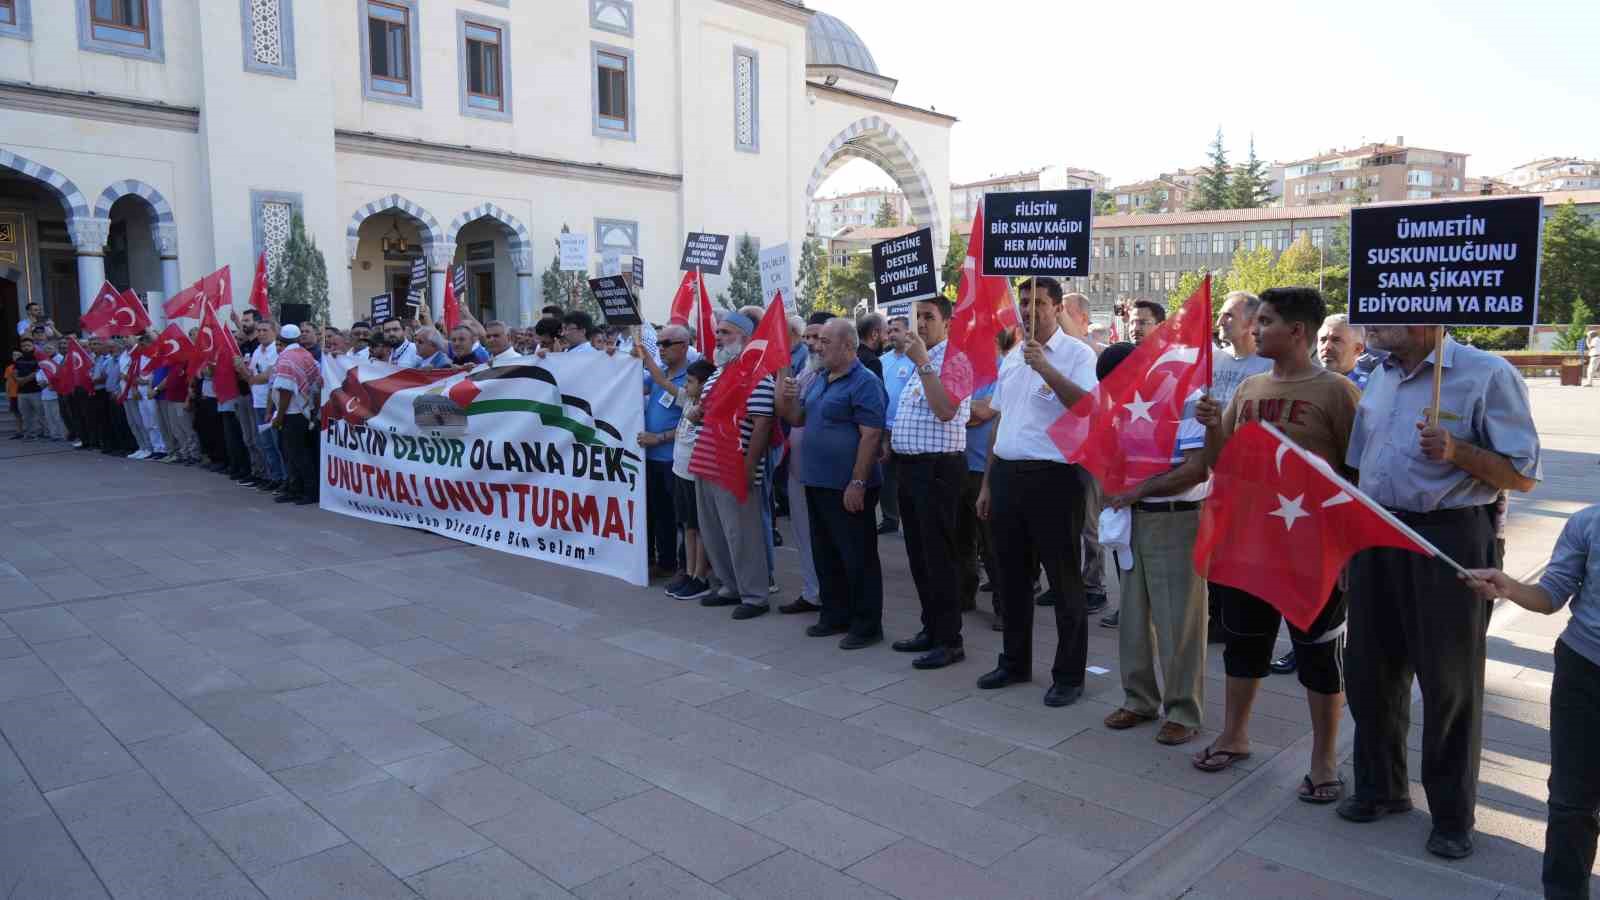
[(139, 454), (77, 443)]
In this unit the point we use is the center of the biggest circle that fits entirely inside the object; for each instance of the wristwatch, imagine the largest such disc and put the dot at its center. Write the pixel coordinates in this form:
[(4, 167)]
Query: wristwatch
[(927, 368), (856, 482)]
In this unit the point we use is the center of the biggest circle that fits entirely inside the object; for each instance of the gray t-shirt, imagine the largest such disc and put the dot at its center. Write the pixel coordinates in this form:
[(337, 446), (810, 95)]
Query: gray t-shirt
[(1229, 371)]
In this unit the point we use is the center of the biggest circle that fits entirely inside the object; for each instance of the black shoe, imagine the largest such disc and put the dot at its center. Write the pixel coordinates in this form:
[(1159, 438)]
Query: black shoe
[(159, 454), (919, 644), (719, 600), (306, 501), (888, 526), (857, 641), (1048, 598), (1093, 603), (821, 630), (1111, 619), (676, 584), (1284, 665), (999, 678), (939, 657), (285, 498), (750, 611), (1063, 694), (693, 589), (1360, 809), (1450, 846), (800, 605)]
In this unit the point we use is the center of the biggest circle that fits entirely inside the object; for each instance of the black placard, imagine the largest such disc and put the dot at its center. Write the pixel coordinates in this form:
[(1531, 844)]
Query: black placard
[(902, 268), (616, 300), (1037, 233), (382, 308), (1465, 262), (638, 273), (705, 252)]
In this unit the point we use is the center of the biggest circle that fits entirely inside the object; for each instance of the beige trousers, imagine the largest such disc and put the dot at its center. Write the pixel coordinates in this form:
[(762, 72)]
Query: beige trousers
[(1164, 612)]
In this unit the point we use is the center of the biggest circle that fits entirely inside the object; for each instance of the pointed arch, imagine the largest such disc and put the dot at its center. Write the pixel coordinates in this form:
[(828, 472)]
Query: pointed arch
[(880, 143), (431, 233), (161, 210), (72, 200), (515, 230)]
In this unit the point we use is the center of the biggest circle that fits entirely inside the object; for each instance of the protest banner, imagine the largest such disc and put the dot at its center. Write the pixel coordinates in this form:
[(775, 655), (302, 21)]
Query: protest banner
[(616, 300), (638, 273), (1037, 233), (537, 458), (574, 252), (903, 270), (777, 275), (610, 263), (704, 252), (418, 287), (1463, 262), (382, 308)]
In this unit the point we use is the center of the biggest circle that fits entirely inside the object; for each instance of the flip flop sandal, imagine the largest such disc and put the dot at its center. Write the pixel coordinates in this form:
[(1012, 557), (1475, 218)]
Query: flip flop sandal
[(1309, 791), (1203, 761)]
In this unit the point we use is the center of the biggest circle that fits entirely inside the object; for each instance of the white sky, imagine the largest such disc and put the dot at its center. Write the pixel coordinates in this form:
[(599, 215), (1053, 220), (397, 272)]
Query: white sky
[(1134, 87)]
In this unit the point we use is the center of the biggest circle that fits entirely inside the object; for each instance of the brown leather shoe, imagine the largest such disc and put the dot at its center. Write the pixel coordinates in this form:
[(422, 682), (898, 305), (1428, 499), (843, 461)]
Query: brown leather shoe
[(1172, 734), (1123, 718)]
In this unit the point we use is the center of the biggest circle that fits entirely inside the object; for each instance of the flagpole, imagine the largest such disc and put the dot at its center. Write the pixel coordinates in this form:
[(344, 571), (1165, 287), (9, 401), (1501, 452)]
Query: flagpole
[(1356, 494), (1438, 372)]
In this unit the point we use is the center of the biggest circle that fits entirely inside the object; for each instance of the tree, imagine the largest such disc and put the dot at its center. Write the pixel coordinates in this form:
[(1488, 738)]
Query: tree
[(1582, 317), (744, 284), (888, 212), (1570, 266), (1362, 195), (808, 278), (1105, 203), (1156, 200), (1211, 191), (560, 287), (1301, 257), (1248, 188), (1189, 282), (850, 283), (954, 258), (301, 275)]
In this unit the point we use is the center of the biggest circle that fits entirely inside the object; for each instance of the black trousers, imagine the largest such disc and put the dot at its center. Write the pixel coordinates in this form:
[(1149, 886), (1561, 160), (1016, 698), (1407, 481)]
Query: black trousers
[(1569, 838), (974, 546), (930, 498), (208, 428), (1036, 518), (300, 456), (233, 441), (844, 549), (1411, 616), (660, 514), (72, 414)]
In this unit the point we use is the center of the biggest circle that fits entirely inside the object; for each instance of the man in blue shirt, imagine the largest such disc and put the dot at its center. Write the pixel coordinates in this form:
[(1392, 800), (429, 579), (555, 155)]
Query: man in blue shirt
[(897, 371), (1340, 345), (843, 415), (661, 414), (1572, 575)]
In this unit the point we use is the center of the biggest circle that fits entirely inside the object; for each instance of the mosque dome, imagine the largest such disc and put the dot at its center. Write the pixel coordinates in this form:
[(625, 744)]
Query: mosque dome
[(830, 42)]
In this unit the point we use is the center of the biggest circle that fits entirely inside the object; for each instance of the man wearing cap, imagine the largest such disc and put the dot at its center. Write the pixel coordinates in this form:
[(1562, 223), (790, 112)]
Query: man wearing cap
[(1408, 613), (297, 392), (734, 531)]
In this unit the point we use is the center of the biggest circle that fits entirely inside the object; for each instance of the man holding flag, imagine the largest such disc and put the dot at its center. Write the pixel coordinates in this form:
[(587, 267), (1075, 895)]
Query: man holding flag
[(1411, 616), (1033, 497), (1316, 409)]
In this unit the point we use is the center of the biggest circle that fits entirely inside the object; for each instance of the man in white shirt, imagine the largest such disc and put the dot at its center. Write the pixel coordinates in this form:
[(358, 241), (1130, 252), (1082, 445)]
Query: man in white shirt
[(1034, 498), (261, 362), (497, 340), (404, 353), (1162, 597)]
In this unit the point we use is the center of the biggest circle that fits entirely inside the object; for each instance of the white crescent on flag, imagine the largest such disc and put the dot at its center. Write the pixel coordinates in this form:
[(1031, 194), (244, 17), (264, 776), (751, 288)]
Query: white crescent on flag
[(169, 346), (131, 319)]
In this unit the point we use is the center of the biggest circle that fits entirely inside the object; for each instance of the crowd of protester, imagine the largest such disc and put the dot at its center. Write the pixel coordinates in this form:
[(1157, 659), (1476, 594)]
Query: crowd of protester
[(860, 439)]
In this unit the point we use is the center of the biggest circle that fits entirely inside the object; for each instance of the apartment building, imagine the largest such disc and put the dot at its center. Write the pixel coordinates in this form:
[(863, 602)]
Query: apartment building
[(831, 214), (1376, 172), (1554, 173)]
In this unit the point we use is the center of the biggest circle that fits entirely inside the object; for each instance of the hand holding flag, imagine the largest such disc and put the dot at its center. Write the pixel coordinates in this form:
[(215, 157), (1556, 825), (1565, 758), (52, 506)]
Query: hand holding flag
[(717, 454), (971, 359)]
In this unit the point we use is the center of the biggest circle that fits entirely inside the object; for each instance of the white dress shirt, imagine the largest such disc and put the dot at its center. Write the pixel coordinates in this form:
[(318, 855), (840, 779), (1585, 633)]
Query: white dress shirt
[(1028, 406)]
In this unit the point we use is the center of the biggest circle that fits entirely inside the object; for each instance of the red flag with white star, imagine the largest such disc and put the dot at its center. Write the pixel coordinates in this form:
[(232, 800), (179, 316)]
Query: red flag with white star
[(114, 313), (77, 368), (216, 346), (1281, 524), (692, 302), (717, 454), (984, 308), (1125, 431), (258, 289)]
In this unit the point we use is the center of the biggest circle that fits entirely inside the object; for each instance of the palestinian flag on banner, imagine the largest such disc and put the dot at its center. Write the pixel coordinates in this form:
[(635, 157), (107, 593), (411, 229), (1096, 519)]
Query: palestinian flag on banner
[(534, 390)]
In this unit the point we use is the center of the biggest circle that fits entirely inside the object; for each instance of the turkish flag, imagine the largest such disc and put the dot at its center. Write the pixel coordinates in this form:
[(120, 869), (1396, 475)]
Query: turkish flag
[(452, 308), (215, 345), (115, 313), (1126, 430), (972, 358), (683, 301), (258, 289), (172, 347), (355, 401), (77, 367), (218, 287), (692, 302), (706, 327), (136, 361), (717, 455), (1281, 524), (185, 304)]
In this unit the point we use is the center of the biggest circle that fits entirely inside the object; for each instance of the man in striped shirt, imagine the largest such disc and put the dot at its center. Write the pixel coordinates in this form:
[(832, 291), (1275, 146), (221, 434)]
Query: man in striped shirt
[(734, 532)]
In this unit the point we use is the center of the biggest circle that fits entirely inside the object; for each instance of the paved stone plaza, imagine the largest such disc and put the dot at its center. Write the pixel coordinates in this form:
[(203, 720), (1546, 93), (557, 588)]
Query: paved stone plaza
[(204, 694)]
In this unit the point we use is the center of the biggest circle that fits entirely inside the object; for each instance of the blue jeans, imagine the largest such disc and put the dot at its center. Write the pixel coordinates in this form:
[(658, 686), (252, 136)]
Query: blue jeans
[(273, 456)]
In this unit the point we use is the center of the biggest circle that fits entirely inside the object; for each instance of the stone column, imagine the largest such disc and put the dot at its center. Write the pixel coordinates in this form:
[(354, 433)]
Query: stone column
[(440, 255), (167, 244), (522, 261), (89, 235)]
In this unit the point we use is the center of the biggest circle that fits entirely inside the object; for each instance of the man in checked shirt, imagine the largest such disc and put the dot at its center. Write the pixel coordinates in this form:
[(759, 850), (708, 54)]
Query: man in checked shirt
[(929, 439)]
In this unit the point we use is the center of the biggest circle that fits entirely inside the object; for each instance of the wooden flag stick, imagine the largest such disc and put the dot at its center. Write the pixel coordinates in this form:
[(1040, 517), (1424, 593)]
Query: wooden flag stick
[(1438, 372)]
